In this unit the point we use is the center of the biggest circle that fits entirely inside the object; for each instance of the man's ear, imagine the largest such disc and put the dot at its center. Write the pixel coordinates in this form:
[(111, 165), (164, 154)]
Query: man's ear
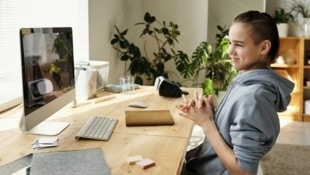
[(265, 47)]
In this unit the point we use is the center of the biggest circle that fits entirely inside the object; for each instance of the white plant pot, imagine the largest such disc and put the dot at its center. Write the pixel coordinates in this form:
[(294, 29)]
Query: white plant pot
[(283, 29), (307, 27), (301, 27)]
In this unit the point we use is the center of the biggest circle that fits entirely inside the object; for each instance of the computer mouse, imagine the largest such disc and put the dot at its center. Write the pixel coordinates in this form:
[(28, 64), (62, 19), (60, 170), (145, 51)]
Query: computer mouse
[(138, 104)]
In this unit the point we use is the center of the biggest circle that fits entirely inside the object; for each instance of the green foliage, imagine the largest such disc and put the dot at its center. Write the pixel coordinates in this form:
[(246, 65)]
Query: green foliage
[(208, 87), (281, 16), (190, 68), (144, 67), (214, 60)]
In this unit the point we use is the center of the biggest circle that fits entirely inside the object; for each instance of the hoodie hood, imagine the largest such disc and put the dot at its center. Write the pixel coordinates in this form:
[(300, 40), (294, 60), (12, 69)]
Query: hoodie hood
[(282, 86)]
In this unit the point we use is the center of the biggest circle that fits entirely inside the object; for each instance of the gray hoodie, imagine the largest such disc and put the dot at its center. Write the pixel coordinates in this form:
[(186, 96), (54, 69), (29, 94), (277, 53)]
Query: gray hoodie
[(248, 121)]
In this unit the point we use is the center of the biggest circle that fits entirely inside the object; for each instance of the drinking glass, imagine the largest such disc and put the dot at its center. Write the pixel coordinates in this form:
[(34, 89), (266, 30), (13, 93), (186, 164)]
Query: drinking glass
[(126, 83)]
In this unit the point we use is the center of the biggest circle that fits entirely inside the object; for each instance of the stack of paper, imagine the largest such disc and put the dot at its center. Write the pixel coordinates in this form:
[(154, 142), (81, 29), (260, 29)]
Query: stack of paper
[(45, 142)]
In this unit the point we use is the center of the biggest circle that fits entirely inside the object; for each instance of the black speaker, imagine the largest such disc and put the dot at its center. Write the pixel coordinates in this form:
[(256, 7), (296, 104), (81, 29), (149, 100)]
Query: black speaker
[(167, 88)]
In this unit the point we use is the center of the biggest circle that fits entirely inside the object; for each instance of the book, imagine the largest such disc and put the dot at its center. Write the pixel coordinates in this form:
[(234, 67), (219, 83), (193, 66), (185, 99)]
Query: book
[(148, 117), (77, 162)]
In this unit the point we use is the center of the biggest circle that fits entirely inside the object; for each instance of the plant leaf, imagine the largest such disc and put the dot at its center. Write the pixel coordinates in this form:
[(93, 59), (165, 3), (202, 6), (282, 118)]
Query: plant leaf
[(114, 41), (148, 18)]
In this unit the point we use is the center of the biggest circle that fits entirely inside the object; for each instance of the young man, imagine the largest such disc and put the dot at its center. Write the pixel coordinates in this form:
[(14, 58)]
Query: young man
[(246, 125)]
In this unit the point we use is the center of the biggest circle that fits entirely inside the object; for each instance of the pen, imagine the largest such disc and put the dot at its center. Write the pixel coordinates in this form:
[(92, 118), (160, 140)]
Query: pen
[(102, 99)]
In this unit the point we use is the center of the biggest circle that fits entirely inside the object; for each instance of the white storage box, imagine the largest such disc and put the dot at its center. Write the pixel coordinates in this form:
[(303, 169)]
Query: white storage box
[(307, 107), (103, 71)]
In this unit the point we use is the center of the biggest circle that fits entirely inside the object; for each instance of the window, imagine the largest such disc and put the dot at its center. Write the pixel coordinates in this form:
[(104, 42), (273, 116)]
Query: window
[(15, 14)]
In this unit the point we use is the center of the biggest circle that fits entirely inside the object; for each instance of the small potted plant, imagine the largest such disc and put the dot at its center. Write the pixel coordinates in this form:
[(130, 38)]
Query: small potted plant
[(281, 18)]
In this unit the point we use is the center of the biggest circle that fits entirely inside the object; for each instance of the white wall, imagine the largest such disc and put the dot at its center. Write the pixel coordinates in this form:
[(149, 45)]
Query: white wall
[(60, 13), (222, 12), (196, 22), (104, 14), (271, 5), (15, 14), (192, 19)]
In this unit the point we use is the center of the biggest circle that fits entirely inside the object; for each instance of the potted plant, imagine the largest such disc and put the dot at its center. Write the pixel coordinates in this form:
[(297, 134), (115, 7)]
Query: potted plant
[(148, 67), (219, 69), (215, 61), (281, 18), (300, 9)]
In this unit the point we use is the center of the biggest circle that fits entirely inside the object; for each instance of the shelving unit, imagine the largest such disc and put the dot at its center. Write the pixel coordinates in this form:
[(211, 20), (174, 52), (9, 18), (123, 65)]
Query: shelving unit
[(295, 52)]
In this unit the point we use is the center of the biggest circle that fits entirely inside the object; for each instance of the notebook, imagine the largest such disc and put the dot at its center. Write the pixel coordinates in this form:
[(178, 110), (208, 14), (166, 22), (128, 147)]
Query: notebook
[(17, 167), (148, 117), (77, 162)]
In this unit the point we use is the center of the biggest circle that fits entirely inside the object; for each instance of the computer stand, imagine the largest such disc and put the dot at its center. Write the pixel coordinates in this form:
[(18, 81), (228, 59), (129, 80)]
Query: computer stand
[(48, 128)]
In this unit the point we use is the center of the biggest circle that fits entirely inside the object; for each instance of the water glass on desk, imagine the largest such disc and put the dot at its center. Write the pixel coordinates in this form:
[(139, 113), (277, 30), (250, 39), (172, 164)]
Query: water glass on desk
[(126, 83)]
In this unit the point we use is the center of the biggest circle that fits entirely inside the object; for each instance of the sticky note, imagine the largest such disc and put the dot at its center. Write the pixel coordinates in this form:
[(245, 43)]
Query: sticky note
[(145, 163), (133, 159)]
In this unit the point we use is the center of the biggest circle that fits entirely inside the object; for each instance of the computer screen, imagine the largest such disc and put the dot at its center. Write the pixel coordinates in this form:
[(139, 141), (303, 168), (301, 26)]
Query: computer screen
[(47, 77)]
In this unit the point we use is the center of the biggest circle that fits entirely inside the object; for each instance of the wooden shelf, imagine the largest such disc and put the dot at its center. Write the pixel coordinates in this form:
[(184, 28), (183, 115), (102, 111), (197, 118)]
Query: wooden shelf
[(306, 117), (298, 72), (285, 65)]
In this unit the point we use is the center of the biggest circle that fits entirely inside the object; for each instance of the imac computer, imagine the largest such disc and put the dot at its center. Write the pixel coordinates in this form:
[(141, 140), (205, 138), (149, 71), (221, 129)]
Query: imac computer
[(47, 77)]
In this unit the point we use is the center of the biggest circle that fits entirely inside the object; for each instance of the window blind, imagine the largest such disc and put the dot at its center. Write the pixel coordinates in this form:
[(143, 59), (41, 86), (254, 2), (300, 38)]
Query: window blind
[(10, 12), (10, 76), (15, 14)]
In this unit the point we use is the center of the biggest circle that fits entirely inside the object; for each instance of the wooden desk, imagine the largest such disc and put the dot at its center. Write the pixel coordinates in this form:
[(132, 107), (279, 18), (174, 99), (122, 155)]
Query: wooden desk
[(166, 145)]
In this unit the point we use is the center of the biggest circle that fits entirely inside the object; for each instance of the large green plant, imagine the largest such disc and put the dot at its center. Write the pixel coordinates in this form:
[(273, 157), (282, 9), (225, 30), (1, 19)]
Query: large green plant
[(219, 68), (148, 67), (215, 61)]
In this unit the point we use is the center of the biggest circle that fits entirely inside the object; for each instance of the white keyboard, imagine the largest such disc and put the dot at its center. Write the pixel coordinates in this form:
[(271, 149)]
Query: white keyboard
[(98, 128)]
